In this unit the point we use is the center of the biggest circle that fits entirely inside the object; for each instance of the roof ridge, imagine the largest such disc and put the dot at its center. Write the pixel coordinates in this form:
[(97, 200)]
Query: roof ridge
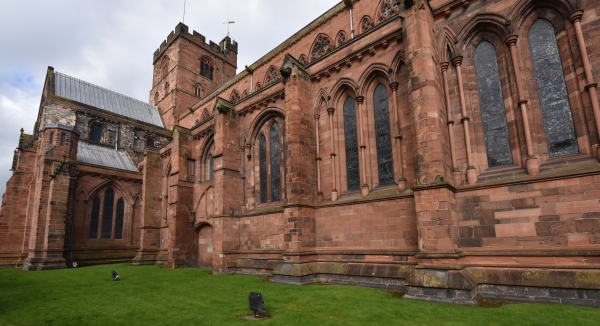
[(103, 88)]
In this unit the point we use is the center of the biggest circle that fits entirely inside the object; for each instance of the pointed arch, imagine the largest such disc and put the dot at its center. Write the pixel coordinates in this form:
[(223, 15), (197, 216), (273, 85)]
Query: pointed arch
[(164, 67), (115, 184), (244, 94), (320, 47), (398, 61), (387, 9), (302, 59), (340, 38), (272, 75), (207, 67), (447, 41), (234, 97), (340, 85), (261, 119), (374, 70), (524, 8), (495, 23), (366, 24), (322, 97)]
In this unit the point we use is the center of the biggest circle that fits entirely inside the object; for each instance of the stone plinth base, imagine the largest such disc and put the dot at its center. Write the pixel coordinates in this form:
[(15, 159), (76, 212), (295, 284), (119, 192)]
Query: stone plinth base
[(41, 264)]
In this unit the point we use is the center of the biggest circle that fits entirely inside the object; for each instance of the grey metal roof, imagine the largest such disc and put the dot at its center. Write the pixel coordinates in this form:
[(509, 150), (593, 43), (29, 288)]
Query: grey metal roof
[(104, 156), (96, 96)]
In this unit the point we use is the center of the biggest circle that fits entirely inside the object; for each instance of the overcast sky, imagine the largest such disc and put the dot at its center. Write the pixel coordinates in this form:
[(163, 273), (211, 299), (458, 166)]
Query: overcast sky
[(110, 43)]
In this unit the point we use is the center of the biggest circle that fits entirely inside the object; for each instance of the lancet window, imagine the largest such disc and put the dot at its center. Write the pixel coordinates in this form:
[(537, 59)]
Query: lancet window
[(275, 163), (271, 162), (106, 220), (96, 133), (491, 102), (383, 138), (351, 144), (262, 158), (552, 90)]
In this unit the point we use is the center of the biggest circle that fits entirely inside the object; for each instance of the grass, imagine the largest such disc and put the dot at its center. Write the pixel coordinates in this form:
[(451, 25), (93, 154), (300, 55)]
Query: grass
[(151, 295)]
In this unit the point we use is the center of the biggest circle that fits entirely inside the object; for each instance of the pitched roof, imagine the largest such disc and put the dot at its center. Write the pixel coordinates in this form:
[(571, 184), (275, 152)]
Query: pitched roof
[(102, 98), (104, 156)]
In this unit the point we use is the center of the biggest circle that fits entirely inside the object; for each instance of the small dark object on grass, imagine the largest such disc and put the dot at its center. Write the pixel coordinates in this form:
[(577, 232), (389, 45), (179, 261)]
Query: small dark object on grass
[(257, 304), (115, 276)]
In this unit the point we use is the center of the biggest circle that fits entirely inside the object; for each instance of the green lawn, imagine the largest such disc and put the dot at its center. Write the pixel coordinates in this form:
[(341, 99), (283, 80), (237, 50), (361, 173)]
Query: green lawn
[(151, 295)]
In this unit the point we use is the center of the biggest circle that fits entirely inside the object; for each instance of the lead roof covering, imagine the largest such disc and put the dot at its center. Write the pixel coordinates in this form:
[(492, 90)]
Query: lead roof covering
[(104, 156), (102, 98)]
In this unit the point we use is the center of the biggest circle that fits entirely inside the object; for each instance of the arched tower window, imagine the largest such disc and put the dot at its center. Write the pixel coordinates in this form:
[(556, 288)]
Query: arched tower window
[(275, 163), (96, 133), (95, 218), (351, 139), (164, 68), (107, 214), (262, 162), (552, 90), (383, 138), (491, 102), (120, 219), (206, 68), (197, 90)]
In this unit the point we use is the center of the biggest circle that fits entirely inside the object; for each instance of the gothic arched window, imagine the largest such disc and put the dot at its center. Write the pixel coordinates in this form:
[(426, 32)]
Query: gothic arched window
[(321, 47), (351, 140), (96, 133), (366, 24), (235, 97), (262, 162), (302, 59), (383, 137), (164, 68), (107, 214), (120, 219), (95, 218), (552, 90), (341, 38), (197, 90), (388, 9), (258, 87), (491, 102), (275, 163), (272, 75), (206, 68)]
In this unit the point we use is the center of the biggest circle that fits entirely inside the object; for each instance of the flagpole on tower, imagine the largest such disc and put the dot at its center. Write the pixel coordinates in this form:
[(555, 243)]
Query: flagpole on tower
[(183, 21)]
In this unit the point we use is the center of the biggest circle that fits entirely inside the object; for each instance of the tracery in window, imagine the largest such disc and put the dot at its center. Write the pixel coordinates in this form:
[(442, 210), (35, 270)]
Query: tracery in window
[(552, 90), (366, 24), (205, 115), (491, 102), (120, 219), (303, 59), (107, 214), (275, 163), (341, 38), (272, 75), (235, 97), (206, 68), (388, 9), (95, 218), (197, 90), (351, 142), (321, 47), (96, 133), (383, 137), (258, 87), (262, 162)]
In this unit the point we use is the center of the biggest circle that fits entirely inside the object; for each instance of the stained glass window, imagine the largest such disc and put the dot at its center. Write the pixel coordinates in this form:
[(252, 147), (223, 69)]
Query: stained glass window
[(388, 9), (552, 91), (275, 163), (382, 135), (321, 47), (272, 75), (120, 219), (262, 162), (284, 160), (95, 218), (351, 139), (491, 102), (96, 133), (107, 216)]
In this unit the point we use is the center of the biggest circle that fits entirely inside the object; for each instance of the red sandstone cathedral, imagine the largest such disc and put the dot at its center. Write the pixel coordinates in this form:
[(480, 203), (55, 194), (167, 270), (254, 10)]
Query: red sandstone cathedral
[(446, 148)]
